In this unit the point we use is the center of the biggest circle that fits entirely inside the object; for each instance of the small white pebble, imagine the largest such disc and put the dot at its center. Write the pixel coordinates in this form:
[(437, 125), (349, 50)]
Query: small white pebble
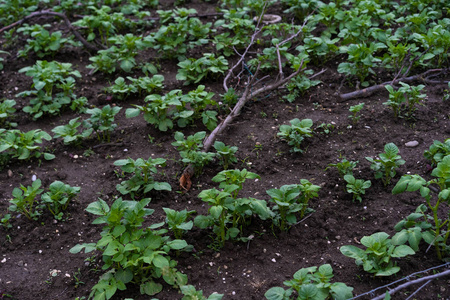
[(125, 150), (40, 251), (34, 177), (274, 260)]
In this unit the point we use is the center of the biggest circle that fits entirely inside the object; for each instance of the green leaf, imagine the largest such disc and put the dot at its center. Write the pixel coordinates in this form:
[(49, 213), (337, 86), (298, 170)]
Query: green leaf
[(276, 293), (124, 275), (151, 288), (160, 261), (98, 208), (353, 252), (177, 244), (402, 251), (388, 271), (49, 156)]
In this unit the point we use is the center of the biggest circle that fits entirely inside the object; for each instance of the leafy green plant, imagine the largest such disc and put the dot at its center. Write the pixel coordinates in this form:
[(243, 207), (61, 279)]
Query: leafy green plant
[(190, 293), (158, 111), (58, 197), (386, 165), (22, 145), (142, 180), (70, 132), (295, 133), (7, 111), (355, 109), (5, 221), (53, 87), (42, 42), (361, 59), (378, 256), (194, 70), (123, 52), (190, 150), (344, 167), (102, 121), (311, 283), (290, 201), (178, 221), (226, 153), (131, 252), (298, 86), (357, 187), (437, 234), (24, 200), (437, 151), (410, 95)]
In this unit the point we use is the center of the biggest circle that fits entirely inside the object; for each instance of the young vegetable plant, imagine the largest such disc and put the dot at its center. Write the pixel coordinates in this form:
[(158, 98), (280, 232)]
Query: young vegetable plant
[(142, 180), (194, 70), (22, 145), (190, 293), (178, 221), (355, 109), (190, 150), (437, 151), (158, 110), (226, 153), (70, 132), (102, 121), (7, 111), (58, 197), (357, 187), (378, 256), (53, 87), (410, 95), (344, 167), (438, 233), (386, 165), (24, 200), (290, 201), (132, 253), (296, 133), (311, 283)]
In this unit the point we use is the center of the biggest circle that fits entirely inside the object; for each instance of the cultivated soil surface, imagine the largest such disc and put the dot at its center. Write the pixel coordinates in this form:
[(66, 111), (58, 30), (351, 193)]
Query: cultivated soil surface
[(31, 250)]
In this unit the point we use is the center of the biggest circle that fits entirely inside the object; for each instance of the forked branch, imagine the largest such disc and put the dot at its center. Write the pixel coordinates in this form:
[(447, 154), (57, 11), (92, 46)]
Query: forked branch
[(424, 77)]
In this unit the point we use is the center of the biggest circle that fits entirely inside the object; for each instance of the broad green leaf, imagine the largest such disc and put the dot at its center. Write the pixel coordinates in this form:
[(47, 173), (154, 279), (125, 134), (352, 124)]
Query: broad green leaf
[(98, 208), (402, 251), (177, 244), (353, 252), (388, 271), (151, 288)]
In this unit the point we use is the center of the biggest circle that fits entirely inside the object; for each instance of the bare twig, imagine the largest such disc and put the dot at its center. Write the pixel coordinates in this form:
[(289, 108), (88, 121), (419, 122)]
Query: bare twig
[(416, 281), (54, 14), (370, 90)]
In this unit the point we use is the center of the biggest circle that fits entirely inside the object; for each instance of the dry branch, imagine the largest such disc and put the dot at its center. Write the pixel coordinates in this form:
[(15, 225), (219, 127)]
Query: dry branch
[(416, 281), (54, 14), (424, 77), (248, 94)]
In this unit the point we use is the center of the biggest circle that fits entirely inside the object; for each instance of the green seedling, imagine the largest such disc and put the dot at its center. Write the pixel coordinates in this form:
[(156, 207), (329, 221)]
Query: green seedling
[(190, 150), (311, 283), (437, 151), (190, 293), (378, 256), (290, 201), (70, 132), (22, 145), (296, 133), (24, 200), (194, 70), (102, 121), (357, 187), (355, 109), (411, 96), (58, 197), (53, 84), (142, 180), (226, 153), (385, 167), (344, 167), (178, 221), (7, 111), (438, 234), (132, 253)]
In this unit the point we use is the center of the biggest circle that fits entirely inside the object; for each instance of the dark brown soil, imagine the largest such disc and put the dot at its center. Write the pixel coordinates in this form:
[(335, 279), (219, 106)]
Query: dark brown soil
[(31, 250)]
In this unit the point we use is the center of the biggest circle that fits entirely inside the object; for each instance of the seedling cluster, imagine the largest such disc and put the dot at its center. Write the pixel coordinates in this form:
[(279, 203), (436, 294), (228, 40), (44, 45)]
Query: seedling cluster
[(129, 45)]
